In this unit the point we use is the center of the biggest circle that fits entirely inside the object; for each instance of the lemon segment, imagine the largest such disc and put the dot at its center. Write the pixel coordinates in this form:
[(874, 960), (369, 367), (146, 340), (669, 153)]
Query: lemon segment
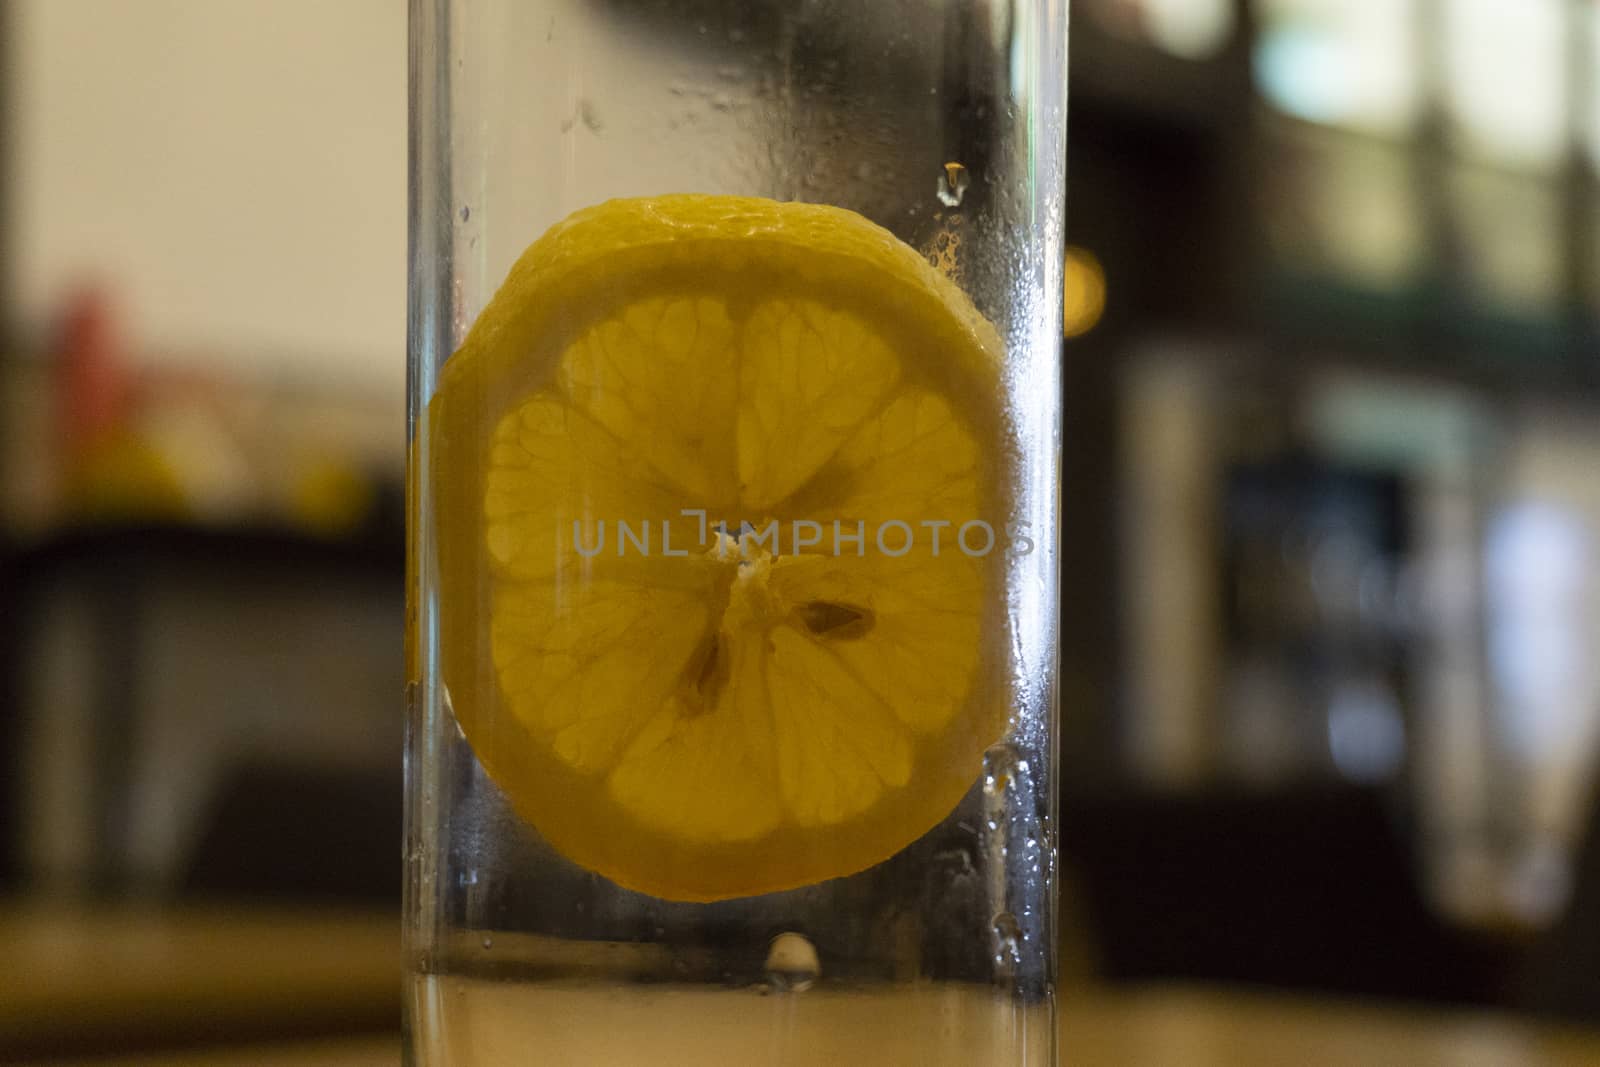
[(810, 376)]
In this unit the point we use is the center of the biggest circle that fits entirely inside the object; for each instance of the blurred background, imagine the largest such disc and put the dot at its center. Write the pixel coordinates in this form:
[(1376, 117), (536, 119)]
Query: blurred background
[(1331, 583)]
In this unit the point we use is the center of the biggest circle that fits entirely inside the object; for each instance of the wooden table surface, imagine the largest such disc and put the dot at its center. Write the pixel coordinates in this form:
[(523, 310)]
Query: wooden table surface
[(131, 978), (1146, 1028), (239, 976)]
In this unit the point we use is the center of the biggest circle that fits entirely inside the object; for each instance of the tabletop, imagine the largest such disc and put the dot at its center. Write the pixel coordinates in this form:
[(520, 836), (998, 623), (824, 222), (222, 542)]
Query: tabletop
[(1138, 1028), (90, 980), (238, 985)]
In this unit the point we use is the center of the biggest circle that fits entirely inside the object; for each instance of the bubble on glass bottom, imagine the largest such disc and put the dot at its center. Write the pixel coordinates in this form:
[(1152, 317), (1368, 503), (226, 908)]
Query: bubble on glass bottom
[(792, 965), (953, 184)]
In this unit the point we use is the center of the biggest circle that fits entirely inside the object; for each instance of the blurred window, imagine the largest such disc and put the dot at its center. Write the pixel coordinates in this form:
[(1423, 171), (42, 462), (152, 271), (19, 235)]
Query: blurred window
[(1505, 90), (1343, 205), (1509, 227), (1188, 29), (1346, 63)]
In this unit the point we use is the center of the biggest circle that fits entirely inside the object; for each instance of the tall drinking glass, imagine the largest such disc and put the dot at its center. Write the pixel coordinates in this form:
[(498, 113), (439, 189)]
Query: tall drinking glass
[(734, 432)]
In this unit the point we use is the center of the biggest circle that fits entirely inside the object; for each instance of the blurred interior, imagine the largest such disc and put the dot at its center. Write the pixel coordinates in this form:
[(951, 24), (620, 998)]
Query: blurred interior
[(1331, 587)]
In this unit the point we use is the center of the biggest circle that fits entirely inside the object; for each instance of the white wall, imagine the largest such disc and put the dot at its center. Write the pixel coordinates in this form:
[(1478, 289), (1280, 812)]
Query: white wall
[(235, 168)]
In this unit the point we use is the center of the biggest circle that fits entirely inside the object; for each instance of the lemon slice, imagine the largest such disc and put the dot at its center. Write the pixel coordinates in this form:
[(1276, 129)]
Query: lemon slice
[(700, 468)]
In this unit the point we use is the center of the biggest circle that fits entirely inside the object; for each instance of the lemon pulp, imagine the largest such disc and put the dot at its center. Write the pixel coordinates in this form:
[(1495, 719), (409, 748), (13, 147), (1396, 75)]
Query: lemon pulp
[(699, 470)]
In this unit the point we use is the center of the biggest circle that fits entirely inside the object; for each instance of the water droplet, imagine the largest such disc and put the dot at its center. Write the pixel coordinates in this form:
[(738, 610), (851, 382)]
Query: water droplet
[(1007, 942), (953, 184), (488, 943), (792, 964), (731, 72), (466, 213), (864, 170), (735, 35), (721, 102), (1001, 762)]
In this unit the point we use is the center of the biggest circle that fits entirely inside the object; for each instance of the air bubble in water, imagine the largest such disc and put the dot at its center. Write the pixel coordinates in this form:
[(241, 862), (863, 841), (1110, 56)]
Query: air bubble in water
[(792, 965), (953, 184), (1007, 941)]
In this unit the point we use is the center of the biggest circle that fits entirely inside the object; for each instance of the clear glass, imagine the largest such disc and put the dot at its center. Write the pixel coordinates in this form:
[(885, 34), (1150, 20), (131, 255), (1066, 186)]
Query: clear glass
[(790, 827)]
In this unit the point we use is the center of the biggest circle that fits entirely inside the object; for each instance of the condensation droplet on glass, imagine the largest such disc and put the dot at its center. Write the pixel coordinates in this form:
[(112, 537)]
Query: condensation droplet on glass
[(721, 102), (792, 965), (864, 170), (953, 184), (488, 943), (730, 72), (466, 213), (1002, 760), (735, 35)]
